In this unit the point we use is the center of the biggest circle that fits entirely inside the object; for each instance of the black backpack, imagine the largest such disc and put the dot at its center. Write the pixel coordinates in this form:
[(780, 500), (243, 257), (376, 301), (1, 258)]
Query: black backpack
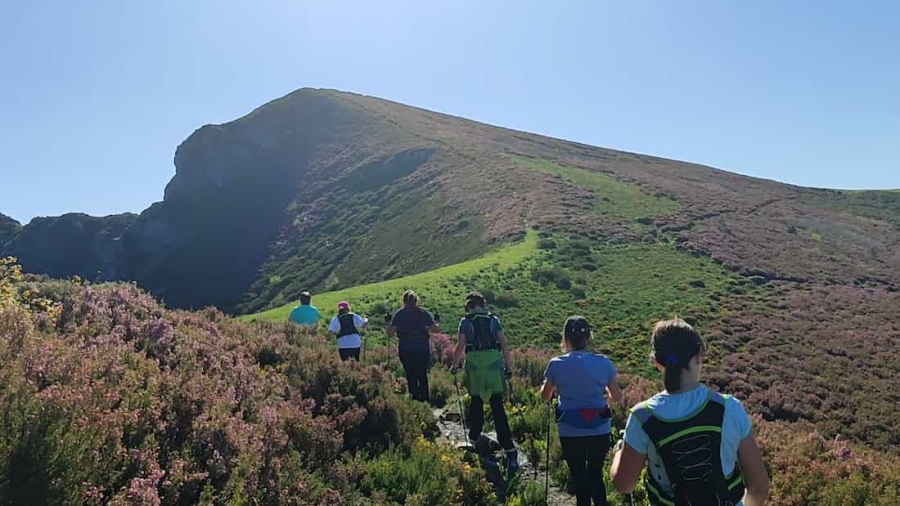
[(348, 325), (483, 338), (690, 451)]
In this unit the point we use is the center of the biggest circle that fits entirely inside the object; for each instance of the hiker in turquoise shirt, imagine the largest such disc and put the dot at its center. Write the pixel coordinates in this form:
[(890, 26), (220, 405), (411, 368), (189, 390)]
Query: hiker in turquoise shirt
[(306, 315)]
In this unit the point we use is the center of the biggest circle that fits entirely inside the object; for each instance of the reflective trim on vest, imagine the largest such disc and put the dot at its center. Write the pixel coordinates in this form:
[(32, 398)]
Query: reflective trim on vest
[(687, 432), (658, 495), (737, 481)]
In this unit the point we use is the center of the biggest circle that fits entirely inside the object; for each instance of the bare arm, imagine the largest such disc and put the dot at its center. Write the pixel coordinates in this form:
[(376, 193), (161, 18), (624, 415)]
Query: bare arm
[(547, 390), (434, 329), (756, 480), (504, 348), (391, 331), (626, 469), (613, 391), (460, 349)]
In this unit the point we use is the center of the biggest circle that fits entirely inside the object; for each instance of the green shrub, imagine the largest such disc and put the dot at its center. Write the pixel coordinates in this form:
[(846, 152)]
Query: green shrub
[(430, 474), (507, 300), (545, 275), (529, 493), (578, 292), (489, 295), (547, 244)]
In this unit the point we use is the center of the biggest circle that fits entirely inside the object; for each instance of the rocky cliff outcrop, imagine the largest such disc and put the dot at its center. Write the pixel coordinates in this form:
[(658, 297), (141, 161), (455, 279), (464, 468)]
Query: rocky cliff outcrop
[(73, 244), (8, 228)]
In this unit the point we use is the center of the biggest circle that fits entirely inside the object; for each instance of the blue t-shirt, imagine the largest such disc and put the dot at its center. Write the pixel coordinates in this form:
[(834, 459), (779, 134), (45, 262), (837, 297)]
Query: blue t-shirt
[(735, 428), (581, 378), (305, 315), (412, 330)]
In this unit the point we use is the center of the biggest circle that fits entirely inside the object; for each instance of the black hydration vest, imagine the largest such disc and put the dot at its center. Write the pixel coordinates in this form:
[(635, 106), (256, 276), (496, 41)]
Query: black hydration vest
[(482, 338), (348, 326), (417, 331), (690, 450)]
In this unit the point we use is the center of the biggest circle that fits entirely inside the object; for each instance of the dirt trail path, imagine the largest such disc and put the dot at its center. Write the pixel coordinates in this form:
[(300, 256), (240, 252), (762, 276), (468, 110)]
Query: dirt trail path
[(453, 434)]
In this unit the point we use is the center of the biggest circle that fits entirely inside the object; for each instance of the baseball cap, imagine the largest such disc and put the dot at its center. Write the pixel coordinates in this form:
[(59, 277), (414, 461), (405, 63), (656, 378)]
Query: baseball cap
[(577, 327)]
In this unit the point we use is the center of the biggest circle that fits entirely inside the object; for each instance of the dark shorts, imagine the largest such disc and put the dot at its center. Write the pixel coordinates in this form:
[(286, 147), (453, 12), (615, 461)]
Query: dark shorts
[(348, 353)]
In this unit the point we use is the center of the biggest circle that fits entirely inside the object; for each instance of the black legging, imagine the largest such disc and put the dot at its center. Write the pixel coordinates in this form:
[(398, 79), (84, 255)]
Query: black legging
[(585, 457), (415, 365), (348, 353), (476, 419)]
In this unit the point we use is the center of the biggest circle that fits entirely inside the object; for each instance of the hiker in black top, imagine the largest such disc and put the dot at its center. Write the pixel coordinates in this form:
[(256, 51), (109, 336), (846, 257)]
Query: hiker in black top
[(697, 444), (486, 349), (412, 324)]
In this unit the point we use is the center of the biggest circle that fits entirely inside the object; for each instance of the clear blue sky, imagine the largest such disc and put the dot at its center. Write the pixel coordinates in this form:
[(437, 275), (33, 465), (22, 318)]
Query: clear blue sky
[(96, 95)]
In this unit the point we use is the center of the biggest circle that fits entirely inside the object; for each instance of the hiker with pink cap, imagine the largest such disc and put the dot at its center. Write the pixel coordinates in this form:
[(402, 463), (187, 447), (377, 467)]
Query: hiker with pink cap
[(346, 326)]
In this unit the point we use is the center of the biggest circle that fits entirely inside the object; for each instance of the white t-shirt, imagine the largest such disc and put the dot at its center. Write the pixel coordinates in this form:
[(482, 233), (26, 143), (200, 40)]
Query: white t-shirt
[(736, 427), (351, 341)]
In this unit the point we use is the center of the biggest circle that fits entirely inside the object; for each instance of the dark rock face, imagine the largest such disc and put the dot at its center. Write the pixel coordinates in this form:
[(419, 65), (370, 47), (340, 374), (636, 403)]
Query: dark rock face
[(72, 244), (8, 228), (205, 242)]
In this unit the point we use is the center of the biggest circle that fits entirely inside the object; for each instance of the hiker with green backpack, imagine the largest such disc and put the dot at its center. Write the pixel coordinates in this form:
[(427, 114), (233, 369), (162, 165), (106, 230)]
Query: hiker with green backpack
[(697, 444), (483, 343)]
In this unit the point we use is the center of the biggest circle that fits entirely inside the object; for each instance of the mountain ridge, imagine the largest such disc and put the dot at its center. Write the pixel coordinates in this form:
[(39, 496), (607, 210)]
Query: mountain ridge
[(329, 191), (249, 195)]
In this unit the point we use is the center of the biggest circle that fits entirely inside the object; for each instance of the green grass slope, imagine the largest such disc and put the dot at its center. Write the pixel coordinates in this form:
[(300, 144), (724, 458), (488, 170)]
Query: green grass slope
[(534, 284), (427, 283), (611, 196)]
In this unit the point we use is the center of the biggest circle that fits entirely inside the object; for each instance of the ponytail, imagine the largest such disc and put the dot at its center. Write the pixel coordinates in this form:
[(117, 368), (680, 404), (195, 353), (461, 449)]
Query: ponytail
[(672, 376), (410, 299)]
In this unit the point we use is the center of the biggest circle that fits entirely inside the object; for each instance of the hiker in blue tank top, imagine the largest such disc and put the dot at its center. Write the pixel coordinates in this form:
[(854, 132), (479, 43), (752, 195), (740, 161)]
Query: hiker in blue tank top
[(697, 444), (584, 382)]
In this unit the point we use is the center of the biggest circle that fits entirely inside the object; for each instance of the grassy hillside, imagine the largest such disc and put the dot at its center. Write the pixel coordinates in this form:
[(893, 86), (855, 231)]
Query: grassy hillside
[(535, 284), (441, 288), (611, 196)]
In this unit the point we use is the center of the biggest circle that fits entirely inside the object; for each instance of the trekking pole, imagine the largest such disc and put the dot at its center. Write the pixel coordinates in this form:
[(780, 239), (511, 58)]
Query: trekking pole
[(462, 415), (547, 470), (518, 408), (387, 321)]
